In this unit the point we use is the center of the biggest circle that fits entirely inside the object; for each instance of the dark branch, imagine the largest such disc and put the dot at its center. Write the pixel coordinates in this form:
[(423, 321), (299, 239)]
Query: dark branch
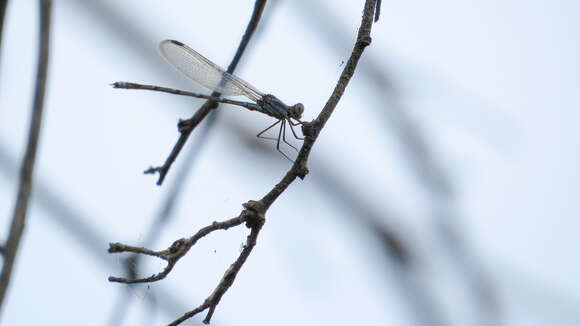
[(185, 127), (227, 280), (312, 130), (27, 167), (254, 213), (174, 252)]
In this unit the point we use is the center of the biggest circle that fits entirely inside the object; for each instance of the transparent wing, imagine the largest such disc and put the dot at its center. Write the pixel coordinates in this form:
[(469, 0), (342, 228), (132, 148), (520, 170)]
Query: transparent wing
[(204, 72)]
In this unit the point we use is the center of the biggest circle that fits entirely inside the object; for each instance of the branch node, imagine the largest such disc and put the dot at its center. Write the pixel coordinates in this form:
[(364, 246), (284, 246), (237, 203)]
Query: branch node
[(254, 214), (302, 170), (308, 129), (365, 41), (184, 126), (177, 245), (153, 170)]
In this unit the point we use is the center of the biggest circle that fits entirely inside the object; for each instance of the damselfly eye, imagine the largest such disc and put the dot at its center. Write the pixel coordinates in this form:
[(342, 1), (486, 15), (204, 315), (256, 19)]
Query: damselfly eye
[(298, 109)]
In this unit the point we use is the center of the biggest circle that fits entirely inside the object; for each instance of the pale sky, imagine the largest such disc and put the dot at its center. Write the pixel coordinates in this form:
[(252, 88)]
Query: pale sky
[(490, 86)]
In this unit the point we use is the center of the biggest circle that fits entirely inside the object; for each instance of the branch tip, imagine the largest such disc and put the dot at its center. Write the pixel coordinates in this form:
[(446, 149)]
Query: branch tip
[(209, 314), (115, 247), (377, 11), (152, 170)]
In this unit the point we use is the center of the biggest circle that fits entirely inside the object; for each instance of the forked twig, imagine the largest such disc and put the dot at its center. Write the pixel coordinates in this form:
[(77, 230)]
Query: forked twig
[(252, 216), (254, 213)]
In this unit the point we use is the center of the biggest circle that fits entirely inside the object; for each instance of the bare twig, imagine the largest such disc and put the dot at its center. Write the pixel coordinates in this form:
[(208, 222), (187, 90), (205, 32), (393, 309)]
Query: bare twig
[(27, 168), (312, 130), (174, 252), (229, 276), (252, 216), (378, 11), (185, 127), (254, 213)]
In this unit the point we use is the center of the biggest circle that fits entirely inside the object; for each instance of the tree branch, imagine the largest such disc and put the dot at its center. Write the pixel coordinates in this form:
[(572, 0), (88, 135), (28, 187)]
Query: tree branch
[(27, 167), (312, 130), (172, 254), (254, 213)]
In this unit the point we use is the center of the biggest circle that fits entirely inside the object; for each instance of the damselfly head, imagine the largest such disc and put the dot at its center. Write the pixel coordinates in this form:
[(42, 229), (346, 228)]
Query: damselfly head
[(296, 110)]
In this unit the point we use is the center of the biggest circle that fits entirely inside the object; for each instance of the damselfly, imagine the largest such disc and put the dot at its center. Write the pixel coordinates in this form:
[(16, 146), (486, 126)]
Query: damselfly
[(209, 75)]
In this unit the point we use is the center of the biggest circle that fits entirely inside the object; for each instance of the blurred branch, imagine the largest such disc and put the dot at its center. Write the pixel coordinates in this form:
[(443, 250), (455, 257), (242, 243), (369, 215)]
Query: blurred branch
[(378, 11), (84, 234), (186, 127), (420, 303), (3, 5), (254, 213), (421, 157), (27, 168)]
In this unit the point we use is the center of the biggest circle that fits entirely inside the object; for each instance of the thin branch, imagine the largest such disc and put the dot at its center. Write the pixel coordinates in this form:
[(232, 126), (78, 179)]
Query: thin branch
[(312, 130), (27, 167), (174, 252), (186, 127), (378, 11), (227, 280), (252, 216), (254, 213)]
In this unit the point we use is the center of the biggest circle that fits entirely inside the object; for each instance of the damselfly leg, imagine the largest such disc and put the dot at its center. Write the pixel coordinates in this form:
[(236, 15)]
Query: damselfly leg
[(281, 135), (284, 135), (259, 135), (292, 128), (298, 122)]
